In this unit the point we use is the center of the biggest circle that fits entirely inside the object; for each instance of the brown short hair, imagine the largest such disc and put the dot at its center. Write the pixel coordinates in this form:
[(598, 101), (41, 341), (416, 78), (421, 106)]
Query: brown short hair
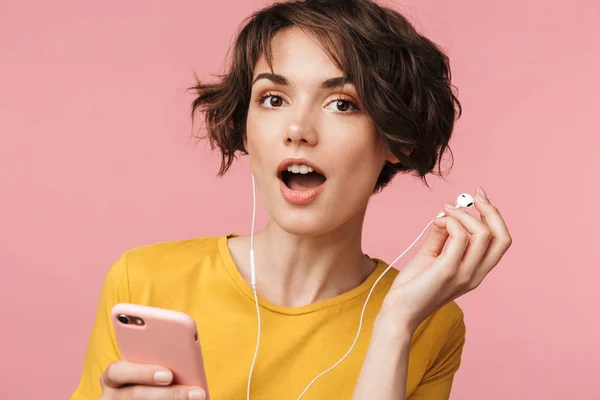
[(403, 79)]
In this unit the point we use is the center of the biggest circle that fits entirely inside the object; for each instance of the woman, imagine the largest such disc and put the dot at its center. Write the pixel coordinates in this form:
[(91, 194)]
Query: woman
[(329, 99)]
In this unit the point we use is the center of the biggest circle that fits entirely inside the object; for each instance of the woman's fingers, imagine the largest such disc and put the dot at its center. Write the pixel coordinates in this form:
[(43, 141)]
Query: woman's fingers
[(488, 242), (174, 392), (449, 261), (500, 241), (130, 381), (435, 239), (478, 242), (121, 373)]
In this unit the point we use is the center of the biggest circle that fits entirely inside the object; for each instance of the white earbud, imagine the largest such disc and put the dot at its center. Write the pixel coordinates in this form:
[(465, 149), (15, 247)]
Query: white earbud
[(464, 200)]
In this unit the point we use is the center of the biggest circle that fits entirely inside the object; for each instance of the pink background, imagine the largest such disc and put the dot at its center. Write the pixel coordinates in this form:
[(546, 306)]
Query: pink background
[(95, 158)]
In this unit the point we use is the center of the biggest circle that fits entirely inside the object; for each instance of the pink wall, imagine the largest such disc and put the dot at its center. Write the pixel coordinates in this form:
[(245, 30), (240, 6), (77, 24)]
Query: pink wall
[(95, 159)]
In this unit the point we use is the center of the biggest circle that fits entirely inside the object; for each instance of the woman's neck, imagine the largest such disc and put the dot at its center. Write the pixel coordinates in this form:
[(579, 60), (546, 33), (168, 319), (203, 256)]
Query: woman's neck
[(294, 270)]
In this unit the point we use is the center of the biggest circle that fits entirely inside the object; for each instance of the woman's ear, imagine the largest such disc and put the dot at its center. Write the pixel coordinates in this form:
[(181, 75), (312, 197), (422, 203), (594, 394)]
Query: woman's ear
[(405, 149)]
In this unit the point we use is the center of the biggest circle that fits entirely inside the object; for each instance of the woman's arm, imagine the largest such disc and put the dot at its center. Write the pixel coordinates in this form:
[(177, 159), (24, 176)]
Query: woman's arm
[(384, 370), (440, 272), (102, 346), (384, 374)]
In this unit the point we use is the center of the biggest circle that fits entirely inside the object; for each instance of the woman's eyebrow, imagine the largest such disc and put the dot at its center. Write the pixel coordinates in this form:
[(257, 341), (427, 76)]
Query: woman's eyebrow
[(338, 81)]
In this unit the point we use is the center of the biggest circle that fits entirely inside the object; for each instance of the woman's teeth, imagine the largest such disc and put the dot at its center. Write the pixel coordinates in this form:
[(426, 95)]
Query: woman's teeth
[(299, 169)]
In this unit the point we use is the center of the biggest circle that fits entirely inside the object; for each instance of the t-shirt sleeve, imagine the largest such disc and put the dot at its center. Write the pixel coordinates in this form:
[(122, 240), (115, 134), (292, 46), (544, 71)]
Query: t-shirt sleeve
[(102, 347), (437, 382)]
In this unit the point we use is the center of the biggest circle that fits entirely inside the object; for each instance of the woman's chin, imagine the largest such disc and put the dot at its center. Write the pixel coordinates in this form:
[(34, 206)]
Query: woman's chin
[(304, 223)]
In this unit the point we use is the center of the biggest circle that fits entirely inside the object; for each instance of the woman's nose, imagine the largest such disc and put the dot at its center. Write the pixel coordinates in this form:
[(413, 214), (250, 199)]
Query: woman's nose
[(299, 132)]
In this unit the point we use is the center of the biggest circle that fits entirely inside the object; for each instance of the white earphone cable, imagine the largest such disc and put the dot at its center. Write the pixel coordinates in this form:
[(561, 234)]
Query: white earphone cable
[(363, 313), (253, 272), (252, 266)]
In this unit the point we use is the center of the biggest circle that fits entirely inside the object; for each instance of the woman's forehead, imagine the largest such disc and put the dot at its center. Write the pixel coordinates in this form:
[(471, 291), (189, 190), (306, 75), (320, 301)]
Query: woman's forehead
[(296, 49)]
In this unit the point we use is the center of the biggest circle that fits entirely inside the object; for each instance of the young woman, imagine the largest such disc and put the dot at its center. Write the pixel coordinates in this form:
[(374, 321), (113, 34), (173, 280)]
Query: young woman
[(329, 100)]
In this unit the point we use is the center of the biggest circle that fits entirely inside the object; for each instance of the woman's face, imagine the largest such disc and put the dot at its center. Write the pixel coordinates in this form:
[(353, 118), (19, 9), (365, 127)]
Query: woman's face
[(295, 124)]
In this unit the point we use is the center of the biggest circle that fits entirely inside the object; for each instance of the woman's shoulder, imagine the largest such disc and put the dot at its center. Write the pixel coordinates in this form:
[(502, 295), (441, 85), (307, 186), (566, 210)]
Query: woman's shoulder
[(175, 249), (445, 325), (449, 315), (170, 260)]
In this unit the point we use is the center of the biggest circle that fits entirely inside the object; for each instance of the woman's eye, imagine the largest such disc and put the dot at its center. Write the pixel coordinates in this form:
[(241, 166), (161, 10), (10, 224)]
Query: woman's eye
[(274, 101), (343, 105)]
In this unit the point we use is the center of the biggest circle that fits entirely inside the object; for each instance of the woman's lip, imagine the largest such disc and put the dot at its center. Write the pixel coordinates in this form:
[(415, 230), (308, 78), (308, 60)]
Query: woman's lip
[(297, 161), (300, 197)]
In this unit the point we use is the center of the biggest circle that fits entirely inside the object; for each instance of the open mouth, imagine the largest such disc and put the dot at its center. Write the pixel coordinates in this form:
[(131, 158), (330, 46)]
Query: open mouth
[(301, 177)]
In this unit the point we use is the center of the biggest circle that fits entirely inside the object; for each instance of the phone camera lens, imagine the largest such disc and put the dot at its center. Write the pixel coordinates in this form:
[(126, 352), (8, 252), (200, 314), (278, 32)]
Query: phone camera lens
[(123, 319)]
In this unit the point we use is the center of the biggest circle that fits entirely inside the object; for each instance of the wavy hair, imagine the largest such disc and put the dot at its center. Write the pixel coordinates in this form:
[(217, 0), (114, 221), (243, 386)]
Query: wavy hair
[(402, 78)]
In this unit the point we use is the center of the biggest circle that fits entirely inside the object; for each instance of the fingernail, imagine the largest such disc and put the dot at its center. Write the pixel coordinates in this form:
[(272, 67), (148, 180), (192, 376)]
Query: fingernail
[(163, 376), (197, 394), (482, 194), (449, 206)]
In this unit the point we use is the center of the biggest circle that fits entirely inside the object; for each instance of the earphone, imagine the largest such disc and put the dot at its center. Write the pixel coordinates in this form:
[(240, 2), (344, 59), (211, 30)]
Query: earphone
[(464, 200)]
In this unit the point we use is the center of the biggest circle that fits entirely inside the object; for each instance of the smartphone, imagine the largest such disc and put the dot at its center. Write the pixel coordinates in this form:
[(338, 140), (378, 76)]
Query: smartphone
[(168, 338)]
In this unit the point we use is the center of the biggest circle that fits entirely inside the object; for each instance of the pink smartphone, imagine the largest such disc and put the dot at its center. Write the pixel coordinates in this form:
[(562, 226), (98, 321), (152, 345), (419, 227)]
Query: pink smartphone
[(150, 335)]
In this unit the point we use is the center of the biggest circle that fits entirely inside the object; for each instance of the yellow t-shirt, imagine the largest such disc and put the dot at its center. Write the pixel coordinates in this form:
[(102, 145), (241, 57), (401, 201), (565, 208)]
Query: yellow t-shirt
[(199, 277)]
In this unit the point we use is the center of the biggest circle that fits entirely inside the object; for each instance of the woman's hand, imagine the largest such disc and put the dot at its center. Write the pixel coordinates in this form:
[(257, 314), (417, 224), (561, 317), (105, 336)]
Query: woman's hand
[(434, 277), (125, 380)]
